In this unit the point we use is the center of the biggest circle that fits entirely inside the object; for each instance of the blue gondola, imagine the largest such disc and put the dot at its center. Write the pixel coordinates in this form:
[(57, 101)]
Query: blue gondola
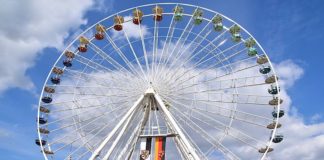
[(273, 90), (275, 114), (277, 138), (38, 142), (265, 70), (42, 120), (67, 63), (55, 80), (47, 99)]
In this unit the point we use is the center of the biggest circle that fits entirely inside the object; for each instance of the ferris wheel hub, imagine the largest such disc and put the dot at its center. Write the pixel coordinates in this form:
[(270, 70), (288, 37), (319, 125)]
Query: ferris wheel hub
[(149, 91)]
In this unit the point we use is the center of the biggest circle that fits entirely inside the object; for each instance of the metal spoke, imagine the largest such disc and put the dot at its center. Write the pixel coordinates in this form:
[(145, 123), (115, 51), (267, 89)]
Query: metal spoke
[(207, 137), (235, 133), (121, 54), (167, 42), (189, 27), (134, 54), (144, 48), (227, 112), (91, 118)]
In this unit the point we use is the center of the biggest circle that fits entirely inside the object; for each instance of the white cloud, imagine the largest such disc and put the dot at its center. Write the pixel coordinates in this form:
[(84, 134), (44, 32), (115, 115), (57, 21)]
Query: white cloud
[(302, 141), (289, 72), (315, 118), (104, 5), (131, 30), (4, 133), (27, 27)]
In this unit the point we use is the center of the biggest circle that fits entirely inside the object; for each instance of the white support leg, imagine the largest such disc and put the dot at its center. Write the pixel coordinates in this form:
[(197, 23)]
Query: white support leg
[(138, 133), (113, 132), (121, 132), (191, 153)]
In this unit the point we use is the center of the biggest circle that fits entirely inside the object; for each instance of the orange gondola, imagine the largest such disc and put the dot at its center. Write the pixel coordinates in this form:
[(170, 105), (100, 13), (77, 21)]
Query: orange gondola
[(100, 34), (158, 11), (83, 44), (119, 20)]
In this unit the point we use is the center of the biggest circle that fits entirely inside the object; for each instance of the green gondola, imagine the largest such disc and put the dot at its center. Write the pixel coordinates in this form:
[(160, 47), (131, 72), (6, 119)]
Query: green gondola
[(178, 13), (235, 31), (252, 51), (198, 17), (218, 27), (217, 23), (250, 43)]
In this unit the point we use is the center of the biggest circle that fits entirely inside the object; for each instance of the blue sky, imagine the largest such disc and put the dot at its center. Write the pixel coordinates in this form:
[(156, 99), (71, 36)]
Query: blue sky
[(290, 31)]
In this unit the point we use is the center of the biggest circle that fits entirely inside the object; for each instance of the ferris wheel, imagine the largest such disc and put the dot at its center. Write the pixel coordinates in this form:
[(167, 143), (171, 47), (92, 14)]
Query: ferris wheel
[(161, 81)]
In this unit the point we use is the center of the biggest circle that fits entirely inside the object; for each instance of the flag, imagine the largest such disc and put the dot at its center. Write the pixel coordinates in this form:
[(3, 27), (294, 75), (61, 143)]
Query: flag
[(145, 148), (159, 148)]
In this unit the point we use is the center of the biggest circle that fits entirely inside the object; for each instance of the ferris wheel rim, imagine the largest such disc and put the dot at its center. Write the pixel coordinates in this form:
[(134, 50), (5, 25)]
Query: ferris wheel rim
[(38, 114)]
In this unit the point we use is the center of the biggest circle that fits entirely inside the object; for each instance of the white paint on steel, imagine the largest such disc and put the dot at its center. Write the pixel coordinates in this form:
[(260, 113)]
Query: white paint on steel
[(120, 123)]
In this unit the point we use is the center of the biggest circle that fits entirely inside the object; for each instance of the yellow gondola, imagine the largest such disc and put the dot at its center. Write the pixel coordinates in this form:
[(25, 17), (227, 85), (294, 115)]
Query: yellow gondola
[(273, 125), (137, 16)]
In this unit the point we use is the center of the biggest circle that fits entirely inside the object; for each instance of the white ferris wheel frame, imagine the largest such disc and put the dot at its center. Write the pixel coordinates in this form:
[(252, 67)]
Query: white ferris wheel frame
[(190, 149)]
